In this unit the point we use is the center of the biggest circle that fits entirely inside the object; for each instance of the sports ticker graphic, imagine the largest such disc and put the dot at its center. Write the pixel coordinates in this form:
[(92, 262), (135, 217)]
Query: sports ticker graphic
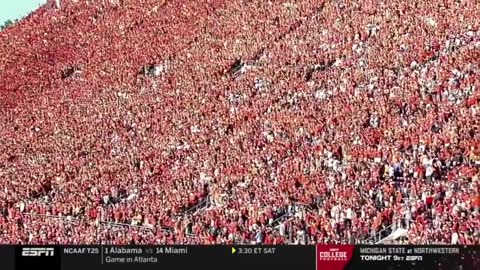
[(321, 257)]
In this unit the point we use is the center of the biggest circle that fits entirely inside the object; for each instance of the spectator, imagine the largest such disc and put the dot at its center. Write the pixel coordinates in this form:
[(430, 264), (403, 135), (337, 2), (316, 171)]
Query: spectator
[(309, 122)]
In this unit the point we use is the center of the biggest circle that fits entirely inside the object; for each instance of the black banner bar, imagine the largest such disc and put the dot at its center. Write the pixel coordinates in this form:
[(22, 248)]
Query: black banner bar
[(328, 257)]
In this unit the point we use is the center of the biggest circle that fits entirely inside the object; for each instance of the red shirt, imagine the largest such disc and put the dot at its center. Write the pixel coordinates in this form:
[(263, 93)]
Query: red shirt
[(429, 200)]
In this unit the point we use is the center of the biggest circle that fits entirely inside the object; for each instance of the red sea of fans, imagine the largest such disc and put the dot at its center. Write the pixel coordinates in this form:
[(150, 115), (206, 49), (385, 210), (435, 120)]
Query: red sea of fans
[(241, 121)]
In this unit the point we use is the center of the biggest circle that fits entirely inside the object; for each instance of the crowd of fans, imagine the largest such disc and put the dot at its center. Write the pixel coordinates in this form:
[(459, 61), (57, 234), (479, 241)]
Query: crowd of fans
[(241, 121)]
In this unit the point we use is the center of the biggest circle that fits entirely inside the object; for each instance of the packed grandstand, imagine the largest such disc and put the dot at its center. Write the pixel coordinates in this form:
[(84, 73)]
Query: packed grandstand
[(241, 121)]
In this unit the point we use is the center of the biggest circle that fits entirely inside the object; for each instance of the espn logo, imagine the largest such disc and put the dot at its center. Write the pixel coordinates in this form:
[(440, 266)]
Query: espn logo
[(37, 252)]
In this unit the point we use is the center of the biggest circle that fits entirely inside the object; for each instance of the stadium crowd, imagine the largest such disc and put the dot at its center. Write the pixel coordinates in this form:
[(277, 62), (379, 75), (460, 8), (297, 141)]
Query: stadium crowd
[(242, 121)]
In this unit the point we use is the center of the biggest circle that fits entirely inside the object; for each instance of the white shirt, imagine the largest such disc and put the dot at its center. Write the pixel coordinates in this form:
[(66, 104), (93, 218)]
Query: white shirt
[(454, 238), (349, 213), (282, 229), (429, 171)]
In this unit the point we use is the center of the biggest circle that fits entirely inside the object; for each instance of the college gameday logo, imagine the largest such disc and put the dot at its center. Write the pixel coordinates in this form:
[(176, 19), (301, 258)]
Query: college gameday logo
[(333, 257), (37, 252)]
